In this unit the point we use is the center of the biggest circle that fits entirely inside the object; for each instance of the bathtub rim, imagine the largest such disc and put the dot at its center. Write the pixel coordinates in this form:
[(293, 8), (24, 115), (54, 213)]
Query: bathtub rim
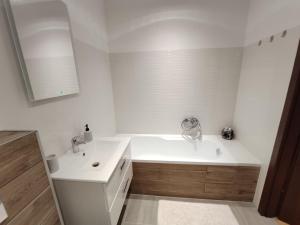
[(203, 163), (255, 162)]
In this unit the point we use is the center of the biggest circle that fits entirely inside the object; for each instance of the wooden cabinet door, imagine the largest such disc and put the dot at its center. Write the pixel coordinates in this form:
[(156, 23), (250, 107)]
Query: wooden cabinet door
[(24, 185)]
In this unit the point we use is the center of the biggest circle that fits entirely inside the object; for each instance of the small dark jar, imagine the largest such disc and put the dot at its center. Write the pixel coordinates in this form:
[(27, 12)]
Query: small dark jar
[(227, 133)]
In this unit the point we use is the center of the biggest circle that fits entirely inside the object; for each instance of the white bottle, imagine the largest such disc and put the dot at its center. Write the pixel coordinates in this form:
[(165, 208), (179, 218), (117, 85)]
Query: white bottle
[(88, 136)]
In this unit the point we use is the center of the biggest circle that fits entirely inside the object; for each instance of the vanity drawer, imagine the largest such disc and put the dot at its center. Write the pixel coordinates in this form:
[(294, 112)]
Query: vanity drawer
[(114, 183), (118, 202)]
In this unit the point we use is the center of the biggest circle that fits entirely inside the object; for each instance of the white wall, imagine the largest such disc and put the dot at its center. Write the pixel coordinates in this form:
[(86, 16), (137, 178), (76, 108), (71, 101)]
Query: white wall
[(59, 119), (173, 58), (143, 25), (268, 17), (155, 91), (265, 76)]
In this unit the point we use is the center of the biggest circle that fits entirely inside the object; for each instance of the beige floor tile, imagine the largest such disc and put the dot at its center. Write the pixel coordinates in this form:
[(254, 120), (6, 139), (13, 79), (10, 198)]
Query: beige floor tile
[(246, 215), (143, 209)]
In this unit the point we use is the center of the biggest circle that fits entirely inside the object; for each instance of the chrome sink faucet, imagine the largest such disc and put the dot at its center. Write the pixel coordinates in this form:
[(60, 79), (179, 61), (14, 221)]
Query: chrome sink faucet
[(76, 141)]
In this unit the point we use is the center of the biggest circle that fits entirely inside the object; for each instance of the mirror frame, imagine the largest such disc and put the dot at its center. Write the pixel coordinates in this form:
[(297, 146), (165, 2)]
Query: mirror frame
[(20, 57)]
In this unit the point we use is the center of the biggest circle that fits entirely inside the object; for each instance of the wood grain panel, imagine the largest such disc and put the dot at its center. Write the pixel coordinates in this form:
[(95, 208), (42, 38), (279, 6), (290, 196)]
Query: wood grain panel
[(247, 175), (17, 157), (232, 174), (21, 191), (171, 175), (41, 211), (205, 191), (165, 166), (212, 182), (238, 192), (218, 188), (163, 188), (221, 174), (8, 136), (24, 185), (52, 218)]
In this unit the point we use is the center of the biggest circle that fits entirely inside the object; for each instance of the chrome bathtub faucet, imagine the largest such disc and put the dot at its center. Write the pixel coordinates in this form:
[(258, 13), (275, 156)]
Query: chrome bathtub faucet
[(191, 128), (76, 141)]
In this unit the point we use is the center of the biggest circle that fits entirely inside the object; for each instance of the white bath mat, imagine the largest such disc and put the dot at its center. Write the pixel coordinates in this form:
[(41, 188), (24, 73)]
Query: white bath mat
[(187, 213)]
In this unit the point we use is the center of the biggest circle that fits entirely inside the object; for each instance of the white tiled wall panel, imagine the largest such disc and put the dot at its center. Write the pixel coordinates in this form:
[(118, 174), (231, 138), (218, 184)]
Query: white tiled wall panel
[(154, 91)]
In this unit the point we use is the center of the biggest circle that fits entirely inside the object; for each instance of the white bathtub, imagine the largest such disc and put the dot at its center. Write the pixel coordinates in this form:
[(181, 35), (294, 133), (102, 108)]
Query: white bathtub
[(212, 150)]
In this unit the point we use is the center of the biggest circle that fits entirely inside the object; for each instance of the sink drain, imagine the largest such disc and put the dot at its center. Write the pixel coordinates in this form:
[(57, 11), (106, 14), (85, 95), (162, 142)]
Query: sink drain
[(95, 164)]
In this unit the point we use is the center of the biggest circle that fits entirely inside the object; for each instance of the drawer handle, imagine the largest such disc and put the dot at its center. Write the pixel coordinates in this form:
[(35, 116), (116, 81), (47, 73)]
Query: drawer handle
[(123, 164), (124, 190)]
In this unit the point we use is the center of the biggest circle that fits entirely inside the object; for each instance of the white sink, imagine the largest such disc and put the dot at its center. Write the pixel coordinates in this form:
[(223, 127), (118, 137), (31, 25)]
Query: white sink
[(95, 162)]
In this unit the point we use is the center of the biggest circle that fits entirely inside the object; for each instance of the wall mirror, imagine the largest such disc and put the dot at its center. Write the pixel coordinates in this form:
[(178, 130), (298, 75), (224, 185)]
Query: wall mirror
[(42, 38)]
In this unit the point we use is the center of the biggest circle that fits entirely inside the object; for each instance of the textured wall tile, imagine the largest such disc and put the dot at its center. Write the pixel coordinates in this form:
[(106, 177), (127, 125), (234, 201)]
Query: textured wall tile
[(154, 91)]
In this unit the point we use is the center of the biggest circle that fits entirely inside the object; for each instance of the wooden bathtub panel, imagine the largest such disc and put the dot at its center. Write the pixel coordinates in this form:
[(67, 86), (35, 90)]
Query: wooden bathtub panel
[(18, 156), (221, 174), (227, 192), (221, 189), (165, 166), (170, 172), (174, 176), (247, 175), (204, 191), (212, 182), (164, 188), (240, 192)]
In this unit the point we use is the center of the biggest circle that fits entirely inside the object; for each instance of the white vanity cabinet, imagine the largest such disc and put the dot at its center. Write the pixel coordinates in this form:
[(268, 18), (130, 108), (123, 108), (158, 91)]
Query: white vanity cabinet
[(117, 187), (96, 203)]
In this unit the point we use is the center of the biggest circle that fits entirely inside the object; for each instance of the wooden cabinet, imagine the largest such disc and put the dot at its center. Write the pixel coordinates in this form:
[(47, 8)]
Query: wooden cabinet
[(24, 185)]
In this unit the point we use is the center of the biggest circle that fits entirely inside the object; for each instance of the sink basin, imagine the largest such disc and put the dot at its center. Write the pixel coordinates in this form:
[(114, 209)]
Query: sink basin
[(94, 162)]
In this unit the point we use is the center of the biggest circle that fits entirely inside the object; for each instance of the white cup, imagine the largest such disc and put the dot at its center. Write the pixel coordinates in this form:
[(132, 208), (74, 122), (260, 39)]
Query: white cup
[(52, 162)]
